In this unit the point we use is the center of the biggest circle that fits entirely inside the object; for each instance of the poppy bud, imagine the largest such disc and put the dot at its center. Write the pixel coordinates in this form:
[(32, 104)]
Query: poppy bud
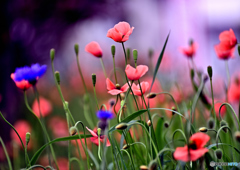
[(57, 76), (150, 53), (118, 86), (209, 70), (143, 167), (135, 55), (210, 123), (224, 123), (121, 126), (174, 109), (149, 123), (28, 137), (94, 79), (99, 131), (126, 146), (166, 124), (237, 136), (113, 50), (239, 49), (73, 130), (218, 153), (203, 129), (151, 95), (76, 49), (192, 73), (128, 53), (153, 165), (52, 54)]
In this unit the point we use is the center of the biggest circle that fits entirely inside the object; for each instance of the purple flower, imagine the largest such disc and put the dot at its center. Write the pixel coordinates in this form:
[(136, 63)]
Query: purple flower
[(104, 115), (30, 74)]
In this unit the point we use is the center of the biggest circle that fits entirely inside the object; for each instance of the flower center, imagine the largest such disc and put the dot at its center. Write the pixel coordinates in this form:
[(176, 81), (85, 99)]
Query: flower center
[(118, 86), (192, 145)]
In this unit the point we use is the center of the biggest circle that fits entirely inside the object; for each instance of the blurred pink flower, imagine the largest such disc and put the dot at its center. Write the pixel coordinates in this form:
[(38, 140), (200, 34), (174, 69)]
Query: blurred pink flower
[(136, 73), (82, 152), (115, 90), (228, 38), (234, 91), (136, 88), (94, 48), (22, 127), (45, 107), (120, 32), (223, 51), (23, 84), (217, 107), (189, 51), (59, 126), (94, 139)]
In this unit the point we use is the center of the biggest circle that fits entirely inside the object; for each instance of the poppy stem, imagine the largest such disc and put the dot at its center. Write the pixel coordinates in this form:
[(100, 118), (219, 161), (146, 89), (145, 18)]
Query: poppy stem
[(7, 156), (114, 69), (228, 79), (124, 54), (81, 75), (103, 67)]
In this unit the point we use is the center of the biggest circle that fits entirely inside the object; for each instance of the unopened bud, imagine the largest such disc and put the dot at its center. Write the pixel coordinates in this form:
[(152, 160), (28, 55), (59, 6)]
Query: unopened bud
[(151, 95), (203, 129), (143, 167), (218, 153), (76, 49), (149, 123), (128, 53), (99, 131), (135, 55), (126, 146), (166, 124), (209, 70), (174, 110), (52, 54), (210, 123), (118, 86), (224, 123), (150, 53), (28, 137), (94, 78), (121, 126), (73, 130), (57, 76), (153, 165), (237, 136), (113, 50), (192, 73)]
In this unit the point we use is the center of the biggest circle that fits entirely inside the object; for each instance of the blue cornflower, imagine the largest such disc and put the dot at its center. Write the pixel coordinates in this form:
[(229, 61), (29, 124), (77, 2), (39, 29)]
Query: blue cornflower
[(104, 115), (30, 74)]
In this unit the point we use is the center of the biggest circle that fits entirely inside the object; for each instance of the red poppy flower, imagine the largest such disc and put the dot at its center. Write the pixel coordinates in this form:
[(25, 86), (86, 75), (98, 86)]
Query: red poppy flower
[(135, 73), (189, 51), (120, 32), (223, 51), (234, 91), (115, 90), (45, 107), (196, 148), (94, 139), (22, 128), (136, 89), (23, 84), (228, 38), (94, 48)]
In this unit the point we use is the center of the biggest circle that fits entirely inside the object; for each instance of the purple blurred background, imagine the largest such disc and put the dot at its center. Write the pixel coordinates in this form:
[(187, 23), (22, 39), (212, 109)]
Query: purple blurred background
[(30, 29)]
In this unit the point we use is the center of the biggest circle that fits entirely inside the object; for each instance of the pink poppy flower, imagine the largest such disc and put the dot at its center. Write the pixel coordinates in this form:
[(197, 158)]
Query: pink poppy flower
[(45, 107), (196, 148), (59, 127), (223, 51), (94, 48), (23, 84), (115, 90), (136, 89), (135, 73), (189, 51), (228, 38), (94, 139), (22, 128), (217, 107), (120, 32)]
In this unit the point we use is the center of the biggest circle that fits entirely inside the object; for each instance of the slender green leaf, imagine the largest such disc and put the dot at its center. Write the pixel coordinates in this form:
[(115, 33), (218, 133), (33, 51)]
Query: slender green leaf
[(159, 61), (38, 153)]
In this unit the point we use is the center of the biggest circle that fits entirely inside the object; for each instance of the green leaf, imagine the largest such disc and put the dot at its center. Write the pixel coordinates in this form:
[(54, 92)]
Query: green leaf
[(159, 133), (129, 118), (159, 61), (38, 153)]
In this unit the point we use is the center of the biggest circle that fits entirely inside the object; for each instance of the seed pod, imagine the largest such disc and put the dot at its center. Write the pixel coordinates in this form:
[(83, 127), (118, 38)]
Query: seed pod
[(121, 126), (151, 95), (143, 167), (209, 70), (218, 153), (203, 129), (224, 123), (149, 123)]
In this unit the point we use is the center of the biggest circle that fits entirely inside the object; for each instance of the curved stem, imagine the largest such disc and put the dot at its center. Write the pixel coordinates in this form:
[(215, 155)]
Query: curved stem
[(6, 153), (81, 75)]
